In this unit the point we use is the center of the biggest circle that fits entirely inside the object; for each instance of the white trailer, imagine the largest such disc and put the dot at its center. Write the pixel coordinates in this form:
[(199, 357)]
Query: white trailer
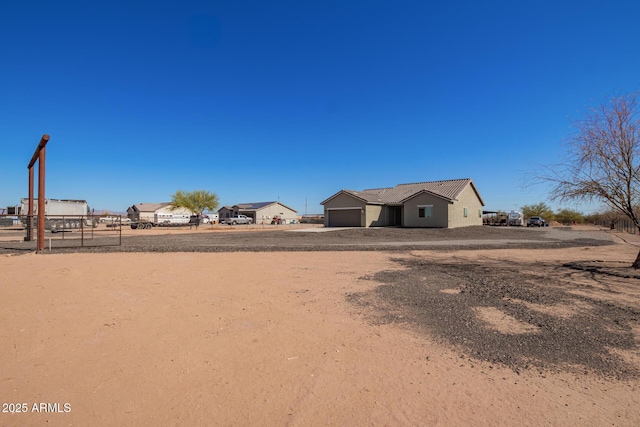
[(59, 214), (160, 219), (515, 218)]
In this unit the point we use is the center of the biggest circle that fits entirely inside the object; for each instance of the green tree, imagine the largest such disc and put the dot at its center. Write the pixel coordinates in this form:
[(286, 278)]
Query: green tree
[(593, 218), (603, 160), (539, 209), (569, 216), (196, 201)]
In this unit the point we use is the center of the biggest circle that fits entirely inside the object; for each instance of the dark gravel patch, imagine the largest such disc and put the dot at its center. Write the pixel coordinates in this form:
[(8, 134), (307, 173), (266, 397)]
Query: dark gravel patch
[(359, 239), (579, 343)]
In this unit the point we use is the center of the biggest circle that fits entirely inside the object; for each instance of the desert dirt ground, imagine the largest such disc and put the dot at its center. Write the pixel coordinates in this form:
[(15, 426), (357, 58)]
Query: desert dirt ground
[(315, 338)]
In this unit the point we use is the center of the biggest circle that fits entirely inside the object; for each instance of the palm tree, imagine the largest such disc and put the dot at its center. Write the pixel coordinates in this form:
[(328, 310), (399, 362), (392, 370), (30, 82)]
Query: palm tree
[(196, 201)]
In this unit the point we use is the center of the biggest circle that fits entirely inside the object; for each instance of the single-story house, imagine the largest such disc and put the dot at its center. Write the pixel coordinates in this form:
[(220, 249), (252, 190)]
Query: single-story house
[(441, 204), (261, 212), (157, 212)]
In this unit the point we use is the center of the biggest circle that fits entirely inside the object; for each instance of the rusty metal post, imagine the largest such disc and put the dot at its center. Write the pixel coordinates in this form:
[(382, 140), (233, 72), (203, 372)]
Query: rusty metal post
[(41, 197), (38, 155), (29, 236)]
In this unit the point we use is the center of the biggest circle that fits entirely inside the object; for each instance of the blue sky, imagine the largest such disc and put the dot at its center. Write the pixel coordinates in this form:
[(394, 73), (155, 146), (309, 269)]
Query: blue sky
[(295, 100)]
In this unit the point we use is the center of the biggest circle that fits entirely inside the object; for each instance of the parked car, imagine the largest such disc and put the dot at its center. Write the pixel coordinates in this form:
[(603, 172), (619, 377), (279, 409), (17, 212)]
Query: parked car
[(115, 219), (535, 221), (238, 219)]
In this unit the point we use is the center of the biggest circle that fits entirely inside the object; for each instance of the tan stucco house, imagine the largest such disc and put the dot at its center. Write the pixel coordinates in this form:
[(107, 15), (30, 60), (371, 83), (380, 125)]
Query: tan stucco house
[(260, 212), (441, 204)]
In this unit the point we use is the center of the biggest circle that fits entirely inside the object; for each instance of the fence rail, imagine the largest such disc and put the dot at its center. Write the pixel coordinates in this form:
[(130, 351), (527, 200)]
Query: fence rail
[(62, 231)]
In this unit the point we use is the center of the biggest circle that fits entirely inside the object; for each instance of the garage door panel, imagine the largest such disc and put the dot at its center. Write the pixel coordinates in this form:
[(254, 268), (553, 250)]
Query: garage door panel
[(345, 218)]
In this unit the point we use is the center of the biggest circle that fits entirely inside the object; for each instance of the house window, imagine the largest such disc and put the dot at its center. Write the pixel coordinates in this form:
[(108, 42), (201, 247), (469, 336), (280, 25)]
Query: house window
[(425, 211), (466, 212)]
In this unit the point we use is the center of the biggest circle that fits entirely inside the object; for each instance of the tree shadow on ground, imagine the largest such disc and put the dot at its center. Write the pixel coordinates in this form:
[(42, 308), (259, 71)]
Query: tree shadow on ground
[(611, 268)]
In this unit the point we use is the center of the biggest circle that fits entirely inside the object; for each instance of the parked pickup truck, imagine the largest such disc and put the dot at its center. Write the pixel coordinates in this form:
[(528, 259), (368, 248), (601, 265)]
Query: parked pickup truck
[(238, 219), (535, 221)]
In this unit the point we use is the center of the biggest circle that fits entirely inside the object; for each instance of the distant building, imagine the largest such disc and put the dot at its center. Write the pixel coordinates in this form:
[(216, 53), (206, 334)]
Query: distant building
[(440, 204), (261, 212)]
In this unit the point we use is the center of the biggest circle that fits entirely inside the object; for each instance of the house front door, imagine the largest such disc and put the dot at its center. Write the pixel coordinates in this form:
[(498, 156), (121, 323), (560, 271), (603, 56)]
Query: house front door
[(395, 215)]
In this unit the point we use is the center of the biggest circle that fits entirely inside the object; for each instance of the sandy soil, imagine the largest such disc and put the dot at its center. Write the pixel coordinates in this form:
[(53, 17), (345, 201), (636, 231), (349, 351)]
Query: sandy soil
[(271, 339)]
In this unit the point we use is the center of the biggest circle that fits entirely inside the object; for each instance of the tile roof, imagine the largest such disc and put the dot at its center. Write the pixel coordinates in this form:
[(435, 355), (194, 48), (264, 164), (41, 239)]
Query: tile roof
[(366, 196), (447, 189)]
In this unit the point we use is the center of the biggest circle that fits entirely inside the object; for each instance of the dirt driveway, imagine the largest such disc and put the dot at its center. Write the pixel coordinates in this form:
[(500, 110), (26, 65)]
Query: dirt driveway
[(412, 337)]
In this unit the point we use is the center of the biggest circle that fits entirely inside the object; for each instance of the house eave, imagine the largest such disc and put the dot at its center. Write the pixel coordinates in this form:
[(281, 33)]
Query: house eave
[(348, 193)]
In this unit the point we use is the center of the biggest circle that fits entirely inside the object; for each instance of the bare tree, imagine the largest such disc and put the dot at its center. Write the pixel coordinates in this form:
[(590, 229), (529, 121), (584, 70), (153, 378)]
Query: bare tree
[(603, 161)]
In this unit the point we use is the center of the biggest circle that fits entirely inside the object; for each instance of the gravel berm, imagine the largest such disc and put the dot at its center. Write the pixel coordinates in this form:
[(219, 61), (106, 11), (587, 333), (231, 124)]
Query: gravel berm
[(356, 239)]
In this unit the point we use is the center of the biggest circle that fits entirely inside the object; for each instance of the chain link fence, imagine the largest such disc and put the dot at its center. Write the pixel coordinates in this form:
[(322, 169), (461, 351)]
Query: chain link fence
[(625, 225)]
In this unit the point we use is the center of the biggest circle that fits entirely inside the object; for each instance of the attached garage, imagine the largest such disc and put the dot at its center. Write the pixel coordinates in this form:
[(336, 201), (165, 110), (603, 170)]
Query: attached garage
[(445, 204), (345, 217)]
